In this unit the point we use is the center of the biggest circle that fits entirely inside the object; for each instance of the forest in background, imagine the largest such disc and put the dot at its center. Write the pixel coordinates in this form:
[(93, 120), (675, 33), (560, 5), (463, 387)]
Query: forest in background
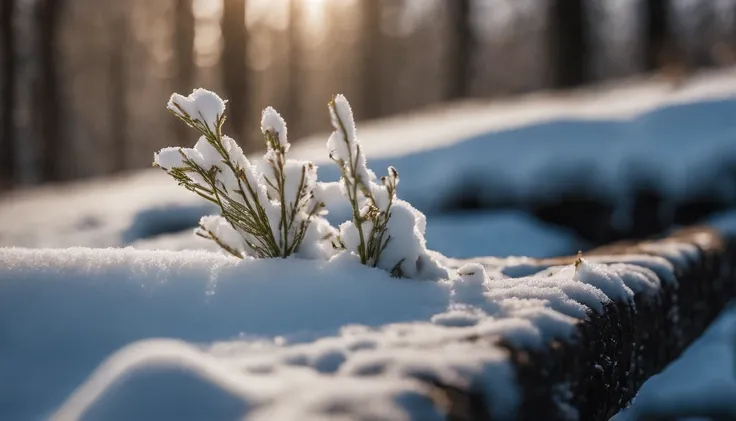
[(83, 83)]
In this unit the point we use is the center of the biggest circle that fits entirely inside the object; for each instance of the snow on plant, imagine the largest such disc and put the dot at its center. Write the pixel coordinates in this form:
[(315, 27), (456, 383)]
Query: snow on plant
[(270, 213), (275, 209), (385, 232)]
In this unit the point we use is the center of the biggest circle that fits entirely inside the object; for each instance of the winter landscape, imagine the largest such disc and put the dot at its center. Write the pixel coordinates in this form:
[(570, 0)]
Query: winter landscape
[(337, 227), (114, 309)]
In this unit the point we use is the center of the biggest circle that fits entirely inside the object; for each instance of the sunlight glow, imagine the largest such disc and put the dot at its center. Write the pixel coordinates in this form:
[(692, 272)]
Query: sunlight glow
[(207, 32), (314, 13), (275, 13)]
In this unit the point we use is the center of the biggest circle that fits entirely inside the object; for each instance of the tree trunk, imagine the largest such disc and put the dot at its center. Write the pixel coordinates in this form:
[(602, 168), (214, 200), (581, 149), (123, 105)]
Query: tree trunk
[(7, 93), (46, 95), (657, 32), (235, 69), (118, 89), (184, 56), (293, 108), (462, 49), (371, 39), (569, 39)]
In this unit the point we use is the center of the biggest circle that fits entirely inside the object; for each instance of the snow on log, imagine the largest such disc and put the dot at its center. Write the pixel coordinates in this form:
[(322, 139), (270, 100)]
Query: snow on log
[(596, 375), (504, 339)]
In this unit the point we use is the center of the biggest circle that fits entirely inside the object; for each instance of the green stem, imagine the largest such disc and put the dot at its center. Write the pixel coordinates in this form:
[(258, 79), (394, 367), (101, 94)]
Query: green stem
[(353, 166)]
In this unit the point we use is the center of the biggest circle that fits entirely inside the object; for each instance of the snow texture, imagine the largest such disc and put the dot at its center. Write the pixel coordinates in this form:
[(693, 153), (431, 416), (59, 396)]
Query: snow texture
[(201, 104), (250, 338), (266, 209), (384, 231), (271, 121), (343, 144), (257, 337)]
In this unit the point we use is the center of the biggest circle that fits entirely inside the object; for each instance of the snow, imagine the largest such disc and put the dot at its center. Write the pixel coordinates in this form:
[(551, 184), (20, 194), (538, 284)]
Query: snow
[(99, 213), (220, 228), (249, 337), (682, 151), (156, 221), (169, 158), (147, 210), (201, 104), (271, 121), (578, 140), (724, 222), (610, 283), (343, 145), (604, 144), (700, 383), (498, 233), (93, 301), (442, 127), (261, 215), (384, 231), (254, 336), (503, 233)]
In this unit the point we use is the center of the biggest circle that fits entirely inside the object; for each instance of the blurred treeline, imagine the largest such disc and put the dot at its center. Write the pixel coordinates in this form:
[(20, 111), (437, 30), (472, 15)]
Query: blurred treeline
[(83, 83)]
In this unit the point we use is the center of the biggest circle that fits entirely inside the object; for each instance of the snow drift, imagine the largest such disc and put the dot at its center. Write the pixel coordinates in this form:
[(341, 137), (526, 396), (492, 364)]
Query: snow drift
[(298, 338)]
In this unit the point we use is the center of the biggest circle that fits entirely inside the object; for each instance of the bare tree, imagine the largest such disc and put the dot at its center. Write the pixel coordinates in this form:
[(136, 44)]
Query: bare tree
[(234, 66), (184, 54), (569, 38), (119, 88), (657, 32), (293, 110), (46, 95), (7, 83), (371, 40), (461, 50)]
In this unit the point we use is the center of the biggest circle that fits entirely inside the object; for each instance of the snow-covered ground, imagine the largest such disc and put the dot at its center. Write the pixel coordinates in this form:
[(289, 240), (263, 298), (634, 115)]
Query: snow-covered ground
[(271, 338), (501, 233), (253, 338), (601, 142)]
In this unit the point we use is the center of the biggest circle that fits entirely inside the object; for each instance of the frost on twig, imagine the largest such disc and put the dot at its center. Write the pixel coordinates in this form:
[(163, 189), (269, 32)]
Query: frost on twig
[(384, 232), (270, 213)]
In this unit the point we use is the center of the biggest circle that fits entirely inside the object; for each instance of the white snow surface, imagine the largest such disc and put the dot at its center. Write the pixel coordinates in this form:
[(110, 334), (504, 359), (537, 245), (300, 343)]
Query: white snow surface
[(102, 212), (319, 337), (602, 143), (481, 147), (183, 334)]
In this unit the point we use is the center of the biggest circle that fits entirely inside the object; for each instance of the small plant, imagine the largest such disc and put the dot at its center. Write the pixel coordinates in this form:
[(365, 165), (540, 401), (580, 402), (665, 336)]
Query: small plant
[(370, 203), (275, 209), (263, 214), (385, 232), (578, 260)]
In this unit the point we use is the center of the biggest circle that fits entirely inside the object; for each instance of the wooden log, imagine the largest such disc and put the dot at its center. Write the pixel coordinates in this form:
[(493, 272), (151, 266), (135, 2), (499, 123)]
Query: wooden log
[(595, 376)]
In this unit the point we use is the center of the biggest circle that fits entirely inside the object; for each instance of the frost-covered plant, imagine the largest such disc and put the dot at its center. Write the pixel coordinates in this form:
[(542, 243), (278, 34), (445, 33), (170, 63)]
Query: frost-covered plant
[(275, 209), (384, 232), (269, 213)]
